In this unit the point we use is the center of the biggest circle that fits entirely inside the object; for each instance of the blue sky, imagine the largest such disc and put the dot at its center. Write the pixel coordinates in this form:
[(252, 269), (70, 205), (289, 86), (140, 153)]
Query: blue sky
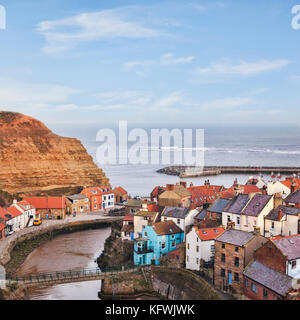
[(91, 61)]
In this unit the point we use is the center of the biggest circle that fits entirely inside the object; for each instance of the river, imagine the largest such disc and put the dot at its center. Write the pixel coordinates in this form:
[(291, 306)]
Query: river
[(72, 251)]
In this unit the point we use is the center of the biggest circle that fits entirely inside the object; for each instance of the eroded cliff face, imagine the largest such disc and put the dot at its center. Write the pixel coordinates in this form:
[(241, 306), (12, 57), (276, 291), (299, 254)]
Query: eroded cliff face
[(34, 159)]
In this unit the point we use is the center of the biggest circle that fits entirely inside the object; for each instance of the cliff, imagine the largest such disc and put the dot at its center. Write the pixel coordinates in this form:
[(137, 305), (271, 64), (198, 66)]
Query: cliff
[(34, 159)]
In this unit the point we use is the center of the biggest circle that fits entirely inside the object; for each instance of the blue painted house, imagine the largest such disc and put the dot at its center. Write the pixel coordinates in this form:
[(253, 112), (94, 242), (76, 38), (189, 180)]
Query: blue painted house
[(156, 241)]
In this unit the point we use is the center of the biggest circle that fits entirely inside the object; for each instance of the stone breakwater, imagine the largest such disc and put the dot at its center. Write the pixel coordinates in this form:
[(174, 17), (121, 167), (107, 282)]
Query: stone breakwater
[(188, 172), (43, 233)]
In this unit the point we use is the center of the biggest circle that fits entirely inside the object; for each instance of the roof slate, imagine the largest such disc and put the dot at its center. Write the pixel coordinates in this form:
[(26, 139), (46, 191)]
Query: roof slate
[(219, 205), (237, 204), (274, 214), (290, 246), (236, 237), (166, 227), (256, 204), (269, 278), (293, 197), (174, 212)]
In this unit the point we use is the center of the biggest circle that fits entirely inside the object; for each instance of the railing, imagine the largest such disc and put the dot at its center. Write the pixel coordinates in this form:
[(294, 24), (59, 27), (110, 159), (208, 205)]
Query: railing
[(143, 250), (69, 274)]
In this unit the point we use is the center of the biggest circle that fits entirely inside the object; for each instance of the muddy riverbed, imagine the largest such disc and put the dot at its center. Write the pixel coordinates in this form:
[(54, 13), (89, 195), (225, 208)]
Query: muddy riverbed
[(73, 251)]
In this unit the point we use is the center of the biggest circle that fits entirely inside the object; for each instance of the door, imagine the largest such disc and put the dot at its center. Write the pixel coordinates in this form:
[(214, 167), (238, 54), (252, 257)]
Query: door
[(229, 277), (132, 236), (144, 259)]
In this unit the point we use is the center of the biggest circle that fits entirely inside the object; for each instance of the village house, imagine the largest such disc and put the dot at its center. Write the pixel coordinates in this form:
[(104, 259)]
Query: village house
[(200, 246), (27, 210), (204, 195), (156, 192), (120, 195), (101, 198), (11, 220), (237, 189), (127, 231), (183, 217), (283, 221), (77, 203), (142, 219), (252, 216), (134, 205), (214, 212), (156, 241), (233, 251), (293, 200), (232, 212), (258, 182), (285, 187), (275, 270), (48, 207), (175, 196)]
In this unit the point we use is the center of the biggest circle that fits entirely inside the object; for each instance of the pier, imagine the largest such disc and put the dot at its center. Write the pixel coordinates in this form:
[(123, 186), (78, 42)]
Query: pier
[(189, 172)]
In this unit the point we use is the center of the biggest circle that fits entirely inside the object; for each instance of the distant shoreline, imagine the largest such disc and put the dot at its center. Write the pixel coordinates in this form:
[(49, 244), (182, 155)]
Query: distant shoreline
[(190, 171)]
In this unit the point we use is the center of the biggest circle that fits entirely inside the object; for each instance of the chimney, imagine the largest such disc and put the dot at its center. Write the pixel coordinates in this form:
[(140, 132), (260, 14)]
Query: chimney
[(170, 187), (277, 200), (279, 214), (235, 182), (193, 206), (183, 183), (191, 184), (256, 231), (230, 225), (294, 187), (15, 201)]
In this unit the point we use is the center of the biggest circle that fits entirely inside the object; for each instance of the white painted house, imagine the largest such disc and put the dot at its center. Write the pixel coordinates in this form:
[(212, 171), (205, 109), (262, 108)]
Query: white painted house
[(142, 219), (28, 211), (283, 220), (200, 245), (182, 217), (253, 214), (290, 247), (281, 187)]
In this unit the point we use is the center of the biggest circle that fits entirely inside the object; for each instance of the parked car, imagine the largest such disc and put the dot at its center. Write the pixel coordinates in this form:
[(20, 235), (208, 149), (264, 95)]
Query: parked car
[(37, 222)]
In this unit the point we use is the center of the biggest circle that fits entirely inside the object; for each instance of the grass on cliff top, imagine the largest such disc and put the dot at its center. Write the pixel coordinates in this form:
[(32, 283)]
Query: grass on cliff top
[(7, 116)]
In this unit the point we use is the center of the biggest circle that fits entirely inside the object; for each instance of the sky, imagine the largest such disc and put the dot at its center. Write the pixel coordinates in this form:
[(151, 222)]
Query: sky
[(96, 61)]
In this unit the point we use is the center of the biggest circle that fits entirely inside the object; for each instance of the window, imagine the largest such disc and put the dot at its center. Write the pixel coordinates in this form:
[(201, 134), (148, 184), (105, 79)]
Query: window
[(228, 218), (236, 277), (173, 236), (163, 245), (104, 197), (197, 248), (254, 287), (223, 257), (212, 248), (294, 264), (95, 206), (223, 273), (145, 234), (178, 221), (246, 283), (238, 220), (265, 293), (236, 249), (236, 261), (187, 258), (197, 261), (188, 246), (223, 245), (173, 244)]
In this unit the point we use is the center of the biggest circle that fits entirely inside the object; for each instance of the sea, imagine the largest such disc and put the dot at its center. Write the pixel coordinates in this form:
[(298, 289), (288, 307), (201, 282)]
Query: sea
[(224, 145)]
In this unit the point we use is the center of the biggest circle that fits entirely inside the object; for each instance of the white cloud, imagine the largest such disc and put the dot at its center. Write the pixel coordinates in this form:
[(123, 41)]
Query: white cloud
[(243, 68), (164, 60), (21, 96), (64, 34), (227, 103)]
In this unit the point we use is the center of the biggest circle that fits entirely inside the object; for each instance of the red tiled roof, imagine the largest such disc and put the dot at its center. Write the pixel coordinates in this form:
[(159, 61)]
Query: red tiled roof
[(25, 203), (210, 234), (121, 190), (248, 188), (203, 194), (47, 202), (153, 207), (156, 190), (14, 212), (88, 191)]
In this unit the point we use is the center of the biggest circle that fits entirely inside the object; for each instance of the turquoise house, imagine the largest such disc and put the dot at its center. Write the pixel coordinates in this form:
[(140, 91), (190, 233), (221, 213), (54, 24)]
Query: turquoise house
[(156, 241)]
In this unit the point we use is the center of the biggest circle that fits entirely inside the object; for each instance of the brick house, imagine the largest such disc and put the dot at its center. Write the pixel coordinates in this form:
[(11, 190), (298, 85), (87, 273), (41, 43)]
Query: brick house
[(77, 203), (100, 197), (233, 251), (48, 207), (275, 270), (121, 195), (175, 196)]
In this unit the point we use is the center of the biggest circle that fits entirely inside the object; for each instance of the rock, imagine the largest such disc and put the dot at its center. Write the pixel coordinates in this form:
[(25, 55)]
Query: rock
[(34, 159)]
